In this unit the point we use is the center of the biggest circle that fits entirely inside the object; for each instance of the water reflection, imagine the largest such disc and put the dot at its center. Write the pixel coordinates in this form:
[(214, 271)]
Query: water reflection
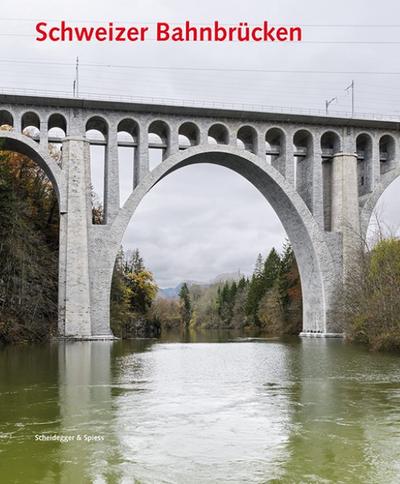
[(28, 405), (85, 410), (202, 410), (200, 407), (339, 394)]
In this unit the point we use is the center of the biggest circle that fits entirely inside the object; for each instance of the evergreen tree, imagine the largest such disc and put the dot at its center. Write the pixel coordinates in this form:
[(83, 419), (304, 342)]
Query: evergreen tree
[(289, 287), (256, 291), (225, 302), (280, 307), (242, 283), (136, 262), (225, 293), (185, 306), (219, 302), (258, 269), (272, 269), (232, 294), (120, 298)]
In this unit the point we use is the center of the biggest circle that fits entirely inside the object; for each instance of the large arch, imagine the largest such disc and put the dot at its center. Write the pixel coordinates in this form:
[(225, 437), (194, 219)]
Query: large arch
[(370, 202), (316, 265), (12, 141)]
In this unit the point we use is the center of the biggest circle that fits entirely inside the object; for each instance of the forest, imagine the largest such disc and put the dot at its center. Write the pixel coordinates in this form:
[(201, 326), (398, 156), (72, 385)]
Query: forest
[(28, 251), (268, 301)]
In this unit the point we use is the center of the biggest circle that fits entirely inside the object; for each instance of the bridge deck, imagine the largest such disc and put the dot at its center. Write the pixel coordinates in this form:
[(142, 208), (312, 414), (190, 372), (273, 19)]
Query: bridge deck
[(71, 102)]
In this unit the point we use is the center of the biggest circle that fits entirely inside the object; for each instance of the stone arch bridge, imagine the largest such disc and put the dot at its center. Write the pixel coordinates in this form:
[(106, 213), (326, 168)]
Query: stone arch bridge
[(323, 177)]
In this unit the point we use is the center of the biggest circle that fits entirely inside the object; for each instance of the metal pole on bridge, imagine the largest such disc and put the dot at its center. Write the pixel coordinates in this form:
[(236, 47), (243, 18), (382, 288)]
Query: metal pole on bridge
[(352, 97), (77, 77), (328, 103)]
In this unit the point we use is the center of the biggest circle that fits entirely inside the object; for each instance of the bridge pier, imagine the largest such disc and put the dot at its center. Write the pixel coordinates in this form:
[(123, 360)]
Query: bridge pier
[(84, 278), (74, 276), (344, 239), (345, 208)]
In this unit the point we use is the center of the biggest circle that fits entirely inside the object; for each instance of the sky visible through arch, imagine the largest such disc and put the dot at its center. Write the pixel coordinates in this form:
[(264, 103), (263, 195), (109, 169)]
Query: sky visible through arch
[(205, 220)]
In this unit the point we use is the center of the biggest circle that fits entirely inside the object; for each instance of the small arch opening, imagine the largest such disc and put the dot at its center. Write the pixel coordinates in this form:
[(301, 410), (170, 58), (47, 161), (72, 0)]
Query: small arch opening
[(127, 138), (218, 135), (97, 130), (247, 138), (127, 132), (158, 134), (30, 126), (302, 143), (57, 120), (189, 135), (303, 150), (364, 162), (6, 120), (274, 145), (57, 131), (330, 145), (97, 135), (387, 153)]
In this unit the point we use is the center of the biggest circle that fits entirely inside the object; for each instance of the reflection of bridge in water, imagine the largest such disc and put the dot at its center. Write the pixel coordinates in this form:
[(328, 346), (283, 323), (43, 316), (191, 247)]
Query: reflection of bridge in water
[(323, 177)]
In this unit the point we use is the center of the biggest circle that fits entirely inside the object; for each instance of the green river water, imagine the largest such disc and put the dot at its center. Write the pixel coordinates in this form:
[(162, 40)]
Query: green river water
[(204, 408)]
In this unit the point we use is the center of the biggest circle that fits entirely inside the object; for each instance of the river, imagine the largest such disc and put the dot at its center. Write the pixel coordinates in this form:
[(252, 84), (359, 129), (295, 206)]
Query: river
[(204, 408)]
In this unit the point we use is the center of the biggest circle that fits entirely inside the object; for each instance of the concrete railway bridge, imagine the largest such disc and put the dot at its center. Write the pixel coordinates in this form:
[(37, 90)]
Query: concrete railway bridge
[(323, 177)]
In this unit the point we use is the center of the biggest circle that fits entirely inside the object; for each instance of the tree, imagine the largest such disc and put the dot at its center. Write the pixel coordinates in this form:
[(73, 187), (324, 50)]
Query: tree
[(136, 263), (290, 290), (258, 269), (272, 269), (167, 311), (142, 289), (270, 312), (132, 294), (255, 292), (97, 208), (120, 296), (28, 251), (280, 308), (185, 306), (242, 284), (372, 297), (238, 311)]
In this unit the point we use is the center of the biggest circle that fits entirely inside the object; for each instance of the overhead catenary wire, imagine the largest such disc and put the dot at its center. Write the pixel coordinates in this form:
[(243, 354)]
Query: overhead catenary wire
[(181, 22), (291, 99), (108, 78), (269, 44), (108, 85), (203, 68)]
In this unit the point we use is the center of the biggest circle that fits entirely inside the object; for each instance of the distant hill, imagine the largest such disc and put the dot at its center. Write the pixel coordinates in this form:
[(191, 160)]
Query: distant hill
[(173, 292), (227, 276), (169, 292)]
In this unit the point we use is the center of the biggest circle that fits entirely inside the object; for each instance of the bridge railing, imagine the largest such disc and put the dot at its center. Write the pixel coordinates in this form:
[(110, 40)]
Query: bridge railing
[(198, 103)]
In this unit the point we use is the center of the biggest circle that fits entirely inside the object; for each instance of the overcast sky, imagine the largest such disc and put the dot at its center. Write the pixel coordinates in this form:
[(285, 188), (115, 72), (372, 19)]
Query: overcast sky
[(205, 220)]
